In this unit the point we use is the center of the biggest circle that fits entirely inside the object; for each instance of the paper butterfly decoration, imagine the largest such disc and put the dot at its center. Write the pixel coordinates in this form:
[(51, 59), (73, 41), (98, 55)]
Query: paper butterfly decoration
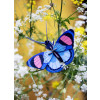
[(59, 53)]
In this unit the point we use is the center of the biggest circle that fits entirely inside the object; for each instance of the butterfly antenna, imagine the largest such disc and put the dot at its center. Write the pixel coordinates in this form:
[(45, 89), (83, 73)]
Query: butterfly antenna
[(46, 31), (35, 41)]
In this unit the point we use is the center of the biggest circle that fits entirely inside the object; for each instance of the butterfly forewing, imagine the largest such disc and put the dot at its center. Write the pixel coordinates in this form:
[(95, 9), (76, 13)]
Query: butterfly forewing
[(67, 39), (39, 60)]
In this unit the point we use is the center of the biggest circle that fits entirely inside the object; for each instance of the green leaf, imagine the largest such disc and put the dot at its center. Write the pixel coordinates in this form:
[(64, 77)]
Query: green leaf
[(64, 24), (67, 20), (72, 18)]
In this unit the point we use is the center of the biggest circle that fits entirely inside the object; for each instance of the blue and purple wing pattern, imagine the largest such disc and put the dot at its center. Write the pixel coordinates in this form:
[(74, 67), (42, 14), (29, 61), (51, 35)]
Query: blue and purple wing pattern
[(54, 65), (59, 47), (67, 56), (67, 39), (39, 61)]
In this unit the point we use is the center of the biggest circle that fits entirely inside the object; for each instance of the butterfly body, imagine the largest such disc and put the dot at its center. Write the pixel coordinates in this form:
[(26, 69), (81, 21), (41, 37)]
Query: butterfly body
[(58, 54)]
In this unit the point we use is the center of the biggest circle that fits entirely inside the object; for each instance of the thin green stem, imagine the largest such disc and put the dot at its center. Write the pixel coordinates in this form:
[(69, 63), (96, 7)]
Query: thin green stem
[(61, 8), (32, 78), (72, 14), (59, 21), (30, 20), (82, 38), (75, 94), (53, 7)]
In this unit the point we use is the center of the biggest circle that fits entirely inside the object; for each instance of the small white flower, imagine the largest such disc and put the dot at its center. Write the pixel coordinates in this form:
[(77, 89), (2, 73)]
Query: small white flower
[(53, 99), (29, 86), (47, 6), (69, 98), (78, 78), (15, 50), (22, 71), (16, 89), (64, 90), (35, 90), (34, 86), (40, 92), (80, 9), (17, 58), (44, 14), (32, 69), (79, 23), (84, 5), (39, 11), (26, 18), (40, 86), (82, 68), (18, 23), (19, 92), (76, 86), (39, 7), (36, 94), (85, 13), (39, 98), (16, 28), (84, 75), (44, 95), (84, 88), (20, 31), (82, 17)]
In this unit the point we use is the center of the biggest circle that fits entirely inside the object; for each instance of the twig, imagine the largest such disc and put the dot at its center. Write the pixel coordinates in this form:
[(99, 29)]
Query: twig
[(60, 19)]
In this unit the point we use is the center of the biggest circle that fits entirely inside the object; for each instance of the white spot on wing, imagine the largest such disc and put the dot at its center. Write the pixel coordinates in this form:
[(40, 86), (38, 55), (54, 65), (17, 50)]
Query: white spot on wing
[(47, 57), (65, 55), (54, 63)]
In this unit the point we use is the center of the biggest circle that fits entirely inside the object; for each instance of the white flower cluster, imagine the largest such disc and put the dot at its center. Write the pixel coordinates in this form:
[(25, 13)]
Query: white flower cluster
[(18, 90), (84, 88), (81, 9), (82, 68), (78, 79), (17, 27), (41, 98), (24, 97), (79, 25), (40, 13), (53, 99), (82, 75), (37, 89), (82, 17), (19, 69), (69, 98)]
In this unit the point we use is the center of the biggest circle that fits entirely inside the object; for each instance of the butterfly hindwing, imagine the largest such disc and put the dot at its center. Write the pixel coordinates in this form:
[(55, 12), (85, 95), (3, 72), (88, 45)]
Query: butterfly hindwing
[(39, 61), (54, 65), (67, 39), (67, 56)]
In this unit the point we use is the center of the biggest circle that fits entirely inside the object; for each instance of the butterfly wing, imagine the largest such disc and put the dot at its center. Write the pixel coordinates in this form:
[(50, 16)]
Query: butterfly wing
[(67, 56), (66, 39), (64, 46), (54, 65), (40, 60)]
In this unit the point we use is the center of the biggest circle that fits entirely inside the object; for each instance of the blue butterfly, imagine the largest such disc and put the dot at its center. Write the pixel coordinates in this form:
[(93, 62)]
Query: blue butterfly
[(58, 53)]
